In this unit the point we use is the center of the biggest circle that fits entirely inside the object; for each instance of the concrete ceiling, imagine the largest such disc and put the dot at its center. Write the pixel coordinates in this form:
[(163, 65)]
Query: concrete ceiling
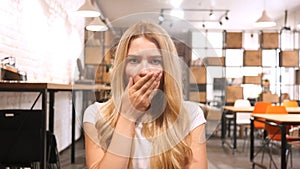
[(242, 13)]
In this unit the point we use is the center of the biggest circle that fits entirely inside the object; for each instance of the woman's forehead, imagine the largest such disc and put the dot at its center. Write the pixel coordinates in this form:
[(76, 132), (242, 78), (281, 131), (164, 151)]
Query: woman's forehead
[(142, 45)]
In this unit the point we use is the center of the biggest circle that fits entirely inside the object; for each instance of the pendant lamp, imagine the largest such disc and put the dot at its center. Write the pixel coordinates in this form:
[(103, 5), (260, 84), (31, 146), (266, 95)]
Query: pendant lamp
[(96, 25), (265, 21), (88, 10)]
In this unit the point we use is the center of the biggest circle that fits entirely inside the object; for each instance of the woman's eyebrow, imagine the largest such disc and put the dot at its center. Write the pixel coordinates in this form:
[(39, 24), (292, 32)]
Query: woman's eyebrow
[(139, 55), (133, 55)]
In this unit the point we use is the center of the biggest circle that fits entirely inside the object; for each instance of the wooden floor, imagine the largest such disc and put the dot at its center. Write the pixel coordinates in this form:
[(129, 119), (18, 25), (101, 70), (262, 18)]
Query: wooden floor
[(219, 156)]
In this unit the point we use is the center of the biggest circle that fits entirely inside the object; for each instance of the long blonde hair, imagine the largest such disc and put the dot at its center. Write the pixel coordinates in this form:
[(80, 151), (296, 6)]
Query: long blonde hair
[(168, 133)]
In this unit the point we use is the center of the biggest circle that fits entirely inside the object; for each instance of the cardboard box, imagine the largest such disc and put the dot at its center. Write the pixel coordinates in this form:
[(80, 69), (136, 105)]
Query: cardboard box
[(252, 80), (214, 61), (233, 93), (252, 58), (289, 58), (197, 96), (270, 40), (269, 97), (197, 74), (234, 40), (92, 55)]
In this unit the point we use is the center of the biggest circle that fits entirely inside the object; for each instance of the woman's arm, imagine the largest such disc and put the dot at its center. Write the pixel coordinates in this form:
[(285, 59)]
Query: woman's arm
[(198, 146), (118, 153), (93, 151)]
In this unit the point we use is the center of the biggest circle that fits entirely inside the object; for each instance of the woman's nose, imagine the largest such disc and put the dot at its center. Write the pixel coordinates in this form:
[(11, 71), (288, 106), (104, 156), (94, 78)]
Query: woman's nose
[(144, 68), (143, 72)]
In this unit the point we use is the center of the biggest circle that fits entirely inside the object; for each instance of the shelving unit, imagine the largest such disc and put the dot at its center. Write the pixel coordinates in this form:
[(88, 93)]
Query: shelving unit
[(207, 67), (247, 58)]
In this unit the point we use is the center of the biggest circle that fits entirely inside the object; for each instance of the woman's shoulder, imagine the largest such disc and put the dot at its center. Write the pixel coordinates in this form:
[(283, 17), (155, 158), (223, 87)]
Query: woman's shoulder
[(192, 107), (91, 112), (195, 112)]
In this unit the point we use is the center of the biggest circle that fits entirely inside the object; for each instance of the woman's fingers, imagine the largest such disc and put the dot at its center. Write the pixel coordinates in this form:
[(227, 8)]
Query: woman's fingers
[(141, 93), (130, 83), (144, 80)]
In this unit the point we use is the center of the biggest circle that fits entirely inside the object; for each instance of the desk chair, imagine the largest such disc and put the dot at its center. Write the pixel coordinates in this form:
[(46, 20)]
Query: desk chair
[(242, 119), (21, 139), (290, 103), (274, 133), (260, 108)]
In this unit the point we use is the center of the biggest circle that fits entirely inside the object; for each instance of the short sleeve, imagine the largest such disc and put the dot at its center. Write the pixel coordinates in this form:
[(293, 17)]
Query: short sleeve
[(196, 114), (90, 112)]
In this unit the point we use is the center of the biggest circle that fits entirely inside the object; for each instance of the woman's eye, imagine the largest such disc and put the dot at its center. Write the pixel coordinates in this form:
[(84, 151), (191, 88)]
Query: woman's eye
[(156, 61), (132, 60)]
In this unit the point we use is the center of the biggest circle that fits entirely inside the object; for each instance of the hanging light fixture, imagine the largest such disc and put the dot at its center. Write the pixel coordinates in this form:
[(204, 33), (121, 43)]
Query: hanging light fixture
[(96, 25), (265, 21), (88, 10)]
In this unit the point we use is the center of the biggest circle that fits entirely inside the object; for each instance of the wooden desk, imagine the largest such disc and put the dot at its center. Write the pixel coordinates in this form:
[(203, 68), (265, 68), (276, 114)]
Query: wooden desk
[(290, 110), (282, 120), (234, 110), (51, 88)]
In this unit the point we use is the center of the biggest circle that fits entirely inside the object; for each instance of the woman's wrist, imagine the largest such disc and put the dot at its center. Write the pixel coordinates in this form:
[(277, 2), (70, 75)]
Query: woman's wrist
[(125, 126)]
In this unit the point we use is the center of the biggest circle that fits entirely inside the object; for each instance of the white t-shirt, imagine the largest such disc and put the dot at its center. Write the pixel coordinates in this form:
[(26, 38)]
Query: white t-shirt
[(142, 145)]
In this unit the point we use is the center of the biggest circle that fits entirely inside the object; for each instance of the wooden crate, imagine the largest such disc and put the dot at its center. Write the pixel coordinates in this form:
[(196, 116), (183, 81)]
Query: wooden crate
[(289, 58), (214, 61), (197, 96), (198, 74), (234, 40), (92, 55), (252, 58), (270, 40), (252, 80), (269, 97), (233, 93)]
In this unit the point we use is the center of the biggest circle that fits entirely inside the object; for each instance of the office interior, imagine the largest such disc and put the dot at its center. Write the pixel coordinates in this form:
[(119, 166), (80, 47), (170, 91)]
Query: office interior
[(225, 56)]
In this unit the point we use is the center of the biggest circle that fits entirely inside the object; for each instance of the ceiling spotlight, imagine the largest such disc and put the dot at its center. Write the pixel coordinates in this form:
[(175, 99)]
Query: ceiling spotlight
[(203, 25), (161, 18), (221, 23), (212, 15), (226, 17)]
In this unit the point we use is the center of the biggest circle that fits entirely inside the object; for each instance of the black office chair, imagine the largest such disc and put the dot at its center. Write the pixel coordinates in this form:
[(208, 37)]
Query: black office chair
[(21, 139)]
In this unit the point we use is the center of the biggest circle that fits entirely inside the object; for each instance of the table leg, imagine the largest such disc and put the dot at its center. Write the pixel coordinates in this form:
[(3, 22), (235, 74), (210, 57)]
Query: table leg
[(283, 147), (44, 136), (251, 139), (223, 125), (234, 131), (51, 111), (73, 128)]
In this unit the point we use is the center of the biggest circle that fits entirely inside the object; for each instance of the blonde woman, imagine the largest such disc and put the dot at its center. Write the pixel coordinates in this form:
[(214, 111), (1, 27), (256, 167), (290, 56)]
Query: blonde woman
[(146, 124)]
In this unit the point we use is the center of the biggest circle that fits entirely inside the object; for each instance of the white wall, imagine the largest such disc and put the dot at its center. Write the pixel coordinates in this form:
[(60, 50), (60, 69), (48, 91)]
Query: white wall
[(46, 38)]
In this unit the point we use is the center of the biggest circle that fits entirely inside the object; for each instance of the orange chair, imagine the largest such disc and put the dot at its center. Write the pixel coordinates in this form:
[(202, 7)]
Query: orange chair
[(274, 133), (260, 108), (290, 103)]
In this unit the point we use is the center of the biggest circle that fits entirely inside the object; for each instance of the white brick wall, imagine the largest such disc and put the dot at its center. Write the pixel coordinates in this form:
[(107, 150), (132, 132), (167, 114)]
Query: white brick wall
[(46, 38)]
